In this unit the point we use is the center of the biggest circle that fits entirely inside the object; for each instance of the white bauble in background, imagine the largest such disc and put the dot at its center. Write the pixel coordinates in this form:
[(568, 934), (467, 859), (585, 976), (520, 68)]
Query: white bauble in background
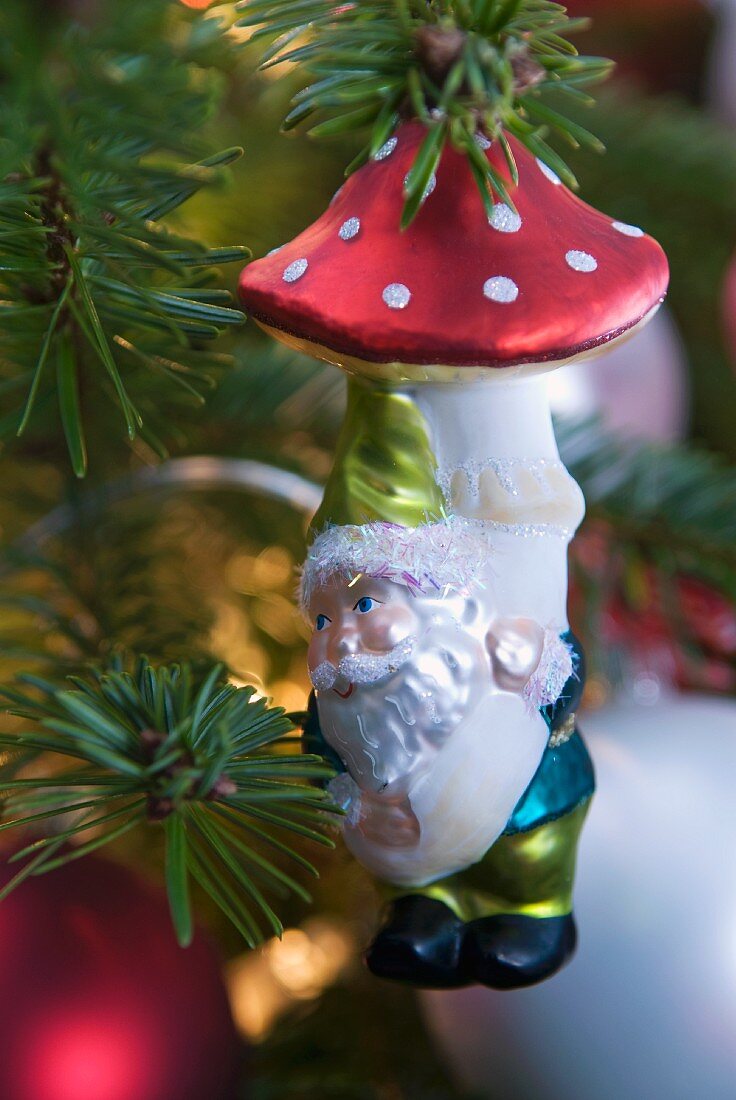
[(639, 388), (647, 1008)]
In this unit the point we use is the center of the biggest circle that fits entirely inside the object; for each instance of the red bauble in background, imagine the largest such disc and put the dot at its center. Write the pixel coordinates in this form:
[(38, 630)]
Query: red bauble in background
[(99, 1002)]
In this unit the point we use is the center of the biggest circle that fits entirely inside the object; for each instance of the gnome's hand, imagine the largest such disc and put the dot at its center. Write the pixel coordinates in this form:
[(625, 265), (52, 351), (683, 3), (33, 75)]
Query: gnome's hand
[(515, 646), (390, 824)]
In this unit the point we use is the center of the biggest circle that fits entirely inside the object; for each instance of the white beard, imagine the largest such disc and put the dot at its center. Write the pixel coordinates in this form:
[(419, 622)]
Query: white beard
[(387, 733), (441, 740)]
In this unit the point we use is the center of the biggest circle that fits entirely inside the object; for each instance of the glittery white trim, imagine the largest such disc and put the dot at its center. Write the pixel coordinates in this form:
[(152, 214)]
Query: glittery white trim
[(531, 530), (506, 470), (427, 559), (553, 671), (363, 668)]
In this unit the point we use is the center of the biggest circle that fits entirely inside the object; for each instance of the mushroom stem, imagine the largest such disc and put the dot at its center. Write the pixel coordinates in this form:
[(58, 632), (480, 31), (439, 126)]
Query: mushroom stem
[(496, 452), (498, 462), (494, 417)]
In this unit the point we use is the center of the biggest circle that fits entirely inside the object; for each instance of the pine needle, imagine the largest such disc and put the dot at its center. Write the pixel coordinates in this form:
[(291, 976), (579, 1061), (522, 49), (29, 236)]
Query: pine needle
[(176, 746)]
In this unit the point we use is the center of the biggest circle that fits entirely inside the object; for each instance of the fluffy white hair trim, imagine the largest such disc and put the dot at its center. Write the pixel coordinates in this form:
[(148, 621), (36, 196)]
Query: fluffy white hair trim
[(554, 670), (430, 558)]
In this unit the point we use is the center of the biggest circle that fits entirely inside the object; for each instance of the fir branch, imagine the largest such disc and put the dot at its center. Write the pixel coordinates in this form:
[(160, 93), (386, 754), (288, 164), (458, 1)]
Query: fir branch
[(94, 291), (163, 745), (462, 68)]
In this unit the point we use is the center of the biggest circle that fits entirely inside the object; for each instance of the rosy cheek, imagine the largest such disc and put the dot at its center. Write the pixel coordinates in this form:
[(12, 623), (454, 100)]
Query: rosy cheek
[(385, 627)]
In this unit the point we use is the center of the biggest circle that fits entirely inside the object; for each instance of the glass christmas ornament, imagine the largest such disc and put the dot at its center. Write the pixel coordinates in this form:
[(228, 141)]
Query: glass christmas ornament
[(446, 678), (99, 1002)]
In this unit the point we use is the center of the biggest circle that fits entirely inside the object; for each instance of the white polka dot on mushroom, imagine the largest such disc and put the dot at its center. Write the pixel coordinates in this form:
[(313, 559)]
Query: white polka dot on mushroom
[(386, 149), (349, 229), (504, 219), (295, 270), (581, 261), (431, 184), (396, 296), (275, 250), (547, 171), (499, 288), (628, 230)]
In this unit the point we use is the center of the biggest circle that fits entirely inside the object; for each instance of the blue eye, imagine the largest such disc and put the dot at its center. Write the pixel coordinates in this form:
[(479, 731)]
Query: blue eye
[(321, 622), (364, 604)]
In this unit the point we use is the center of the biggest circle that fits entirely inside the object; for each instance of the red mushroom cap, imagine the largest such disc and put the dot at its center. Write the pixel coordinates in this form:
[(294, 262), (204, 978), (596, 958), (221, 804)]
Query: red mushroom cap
[(546, 283)]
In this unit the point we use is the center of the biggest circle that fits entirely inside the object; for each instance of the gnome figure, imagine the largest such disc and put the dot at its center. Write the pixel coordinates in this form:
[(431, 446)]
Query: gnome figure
[(437, 711), (446, 678)]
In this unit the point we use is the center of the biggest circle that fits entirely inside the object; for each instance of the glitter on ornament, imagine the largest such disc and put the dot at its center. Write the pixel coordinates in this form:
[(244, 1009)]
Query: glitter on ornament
[(504, 219), (506, 470), (531, 530), (363, 668), (349, 229), (386, 149), (554, 670), (500, 289), (547, 171), (431, 184), (580, 261), (396, 296), (628, 230), (427, 559), (295, 270)]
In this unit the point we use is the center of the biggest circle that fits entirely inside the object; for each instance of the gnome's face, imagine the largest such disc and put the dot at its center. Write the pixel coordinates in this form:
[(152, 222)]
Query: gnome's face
[(395, 673)]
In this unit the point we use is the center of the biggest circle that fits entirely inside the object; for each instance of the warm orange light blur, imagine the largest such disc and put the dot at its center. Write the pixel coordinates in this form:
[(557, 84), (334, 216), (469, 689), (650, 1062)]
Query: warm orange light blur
[(265, 984), (199, 4)]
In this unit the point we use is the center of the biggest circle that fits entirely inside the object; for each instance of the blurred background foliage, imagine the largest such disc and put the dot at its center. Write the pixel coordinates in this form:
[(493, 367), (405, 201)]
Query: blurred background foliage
[(153, 563)]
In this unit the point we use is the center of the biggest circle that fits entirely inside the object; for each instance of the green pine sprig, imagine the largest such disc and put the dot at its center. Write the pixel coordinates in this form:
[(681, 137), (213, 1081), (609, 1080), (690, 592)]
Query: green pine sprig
[(179, 751), (97, 290), (463, 67)]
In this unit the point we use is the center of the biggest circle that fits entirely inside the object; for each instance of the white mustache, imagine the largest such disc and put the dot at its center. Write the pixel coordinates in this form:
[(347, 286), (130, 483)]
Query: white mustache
[(363, 668)]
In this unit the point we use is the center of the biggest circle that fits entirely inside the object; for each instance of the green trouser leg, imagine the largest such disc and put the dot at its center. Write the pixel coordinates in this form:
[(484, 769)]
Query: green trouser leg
[(530, 873)]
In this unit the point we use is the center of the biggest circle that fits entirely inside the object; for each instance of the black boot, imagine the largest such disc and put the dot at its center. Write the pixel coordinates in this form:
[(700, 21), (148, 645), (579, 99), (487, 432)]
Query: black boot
[(419, 944), (509, 951)]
